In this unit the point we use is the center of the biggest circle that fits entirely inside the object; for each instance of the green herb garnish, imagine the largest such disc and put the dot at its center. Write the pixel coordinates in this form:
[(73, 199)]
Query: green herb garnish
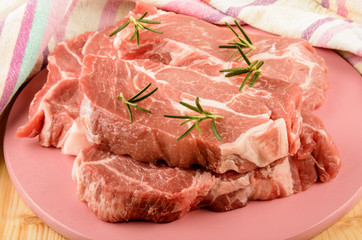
[(198, 119), (133, 100), (138, 25), (253, 67), (242, 43)]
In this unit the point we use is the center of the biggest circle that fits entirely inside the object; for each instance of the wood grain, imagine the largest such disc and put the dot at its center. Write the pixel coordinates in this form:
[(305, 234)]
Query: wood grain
[(17, 221)]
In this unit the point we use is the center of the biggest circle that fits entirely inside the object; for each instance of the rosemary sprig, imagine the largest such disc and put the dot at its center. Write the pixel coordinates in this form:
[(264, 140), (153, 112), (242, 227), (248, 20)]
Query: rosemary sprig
[(198, 119), (253, 68), (242, 43), (137, 26), (133, 100)]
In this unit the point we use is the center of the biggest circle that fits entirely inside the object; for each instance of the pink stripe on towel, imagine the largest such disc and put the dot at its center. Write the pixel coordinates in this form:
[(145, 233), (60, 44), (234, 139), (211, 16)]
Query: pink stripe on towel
[(108, 14), (18, 54)]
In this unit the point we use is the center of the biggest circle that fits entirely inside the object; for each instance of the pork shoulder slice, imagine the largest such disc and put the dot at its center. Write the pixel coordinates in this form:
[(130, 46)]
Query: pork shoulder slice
[(260, 125)]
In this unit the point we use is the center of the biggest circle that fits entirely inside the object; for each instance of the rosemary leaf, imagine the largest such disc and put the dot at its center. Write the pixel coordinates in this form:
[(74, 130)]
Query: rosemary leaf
[(235, 69), (190, 107), (176, 116), (214, 130), (149, 21), (244, 56), (144, 96), (130, 113), (131, 102), (198, 105), (253, 63), (186, 133), (143, 16), (228, 46), (197, 118), (140, 92), (254, 78), (142, 109), (259, 64), (237, 72), (233, 55), (137, 35), (187, 121), (253, 67), (137, 25), (134, 34), (243, 32), (152, 30), (245, 80), (232, 29), (120, 28), (197, 126)]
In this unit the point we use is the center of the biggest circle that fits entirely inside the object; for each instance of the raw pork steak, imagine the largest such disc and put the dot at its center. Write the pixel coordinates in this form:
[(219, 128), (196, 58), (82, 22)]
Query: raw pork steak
[(260, 125), (54, 111), (287, 59), (270, 134), (118, 188)]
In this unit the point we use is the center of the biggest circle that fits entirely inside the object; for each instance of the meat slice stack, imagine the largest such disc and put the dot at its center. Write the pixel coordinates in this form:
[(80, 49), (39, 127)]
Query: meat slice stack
[(273, 146)]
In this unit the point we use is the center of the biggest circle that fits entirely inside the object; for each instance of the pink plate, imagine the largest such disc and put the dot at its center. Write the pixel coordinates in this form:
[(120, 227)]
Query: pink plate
[(42, 176)]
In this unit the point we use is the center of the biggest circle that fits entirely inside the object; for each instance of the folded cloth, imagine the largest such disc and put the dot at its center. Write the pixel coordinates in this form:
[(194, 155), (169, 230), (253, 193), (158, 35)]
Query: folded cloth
[(29, 30)]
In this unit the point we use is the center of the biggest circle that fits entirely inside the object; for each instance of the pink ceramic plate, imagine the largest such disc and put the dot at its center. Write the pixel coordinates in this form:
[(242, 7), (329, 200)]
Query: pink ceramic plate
[(42, 176)]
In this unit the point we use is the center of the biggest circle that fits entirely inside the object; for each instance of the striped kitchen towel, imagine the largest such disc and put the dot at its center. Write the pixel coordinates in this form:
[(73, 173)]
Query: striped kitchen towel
[(29, 30)]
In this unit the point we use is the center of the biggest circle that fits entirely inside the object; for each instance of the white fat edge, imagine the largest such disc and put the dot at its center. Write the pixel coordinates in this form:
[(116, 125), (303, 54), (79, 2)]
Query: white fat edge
[(270, 53), (300, 59), (139, 68), (294, 54), (79, 60), (66, 108), (188, 49), (64, 74), (202, 30), (45, 131), (89, 40), (227, 186), (283, 176), (128, 70), (322, 132), (103, 160), (182, 52), (75, 139), (298, 126), (122, 36), (219, 78), (242, 196), (217, 104), (130, 179), (245, 149), (200, 179), (76, 167), (85, 114), (273, 48)]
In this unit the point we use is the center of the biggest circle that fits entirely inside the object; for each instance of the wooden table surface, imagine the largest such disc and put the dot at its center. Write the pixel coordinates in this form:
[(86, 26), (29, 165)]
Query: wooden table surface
[(17, 221)]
